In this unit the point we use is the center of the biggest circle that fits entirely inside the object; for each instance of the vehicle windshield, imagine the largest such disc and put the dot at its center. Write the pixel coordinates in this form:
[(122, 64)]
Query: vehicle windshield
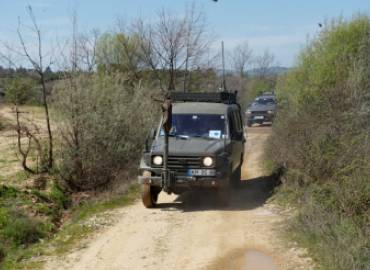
[(264, 100), (197, 125)]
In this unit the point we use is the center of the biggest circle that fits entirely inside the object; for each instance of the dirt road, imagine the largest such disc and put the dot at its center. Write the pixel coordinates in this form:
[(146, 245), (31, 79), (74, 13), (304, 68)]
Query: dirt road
[(192, 232)]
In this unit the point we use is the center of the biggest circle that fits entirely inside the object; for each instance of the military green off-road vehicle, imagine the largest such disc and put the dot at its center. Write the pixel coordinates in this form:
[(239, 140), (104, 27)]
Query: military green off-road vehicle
[(205, 147)]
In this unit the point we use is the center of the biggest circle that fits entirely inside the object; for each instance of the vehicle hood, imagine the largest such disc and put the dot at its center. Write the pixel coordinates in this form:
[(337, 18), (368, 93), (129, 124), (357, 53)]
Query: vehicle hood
[(262, 107), (191, 146)]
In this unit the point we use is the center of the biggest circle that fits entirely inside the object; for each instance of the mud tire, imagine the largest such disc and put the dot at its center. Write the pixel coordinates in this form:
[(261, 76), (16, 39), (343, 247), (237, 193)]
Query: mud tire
[(236, 177), (223, 194), (148, 196)]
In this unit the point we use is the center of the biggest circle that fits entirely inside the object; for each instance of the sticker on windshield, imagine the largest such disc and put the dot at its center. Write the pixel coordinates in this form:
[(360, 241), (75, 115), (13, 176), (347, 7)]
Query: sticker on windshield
[(216, 134)]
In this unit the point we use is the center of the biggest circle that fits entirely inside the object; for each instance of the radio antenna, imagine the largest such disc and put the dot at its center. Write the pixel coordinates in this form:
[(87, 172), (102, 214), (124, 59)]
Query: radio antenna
[(223, 68)]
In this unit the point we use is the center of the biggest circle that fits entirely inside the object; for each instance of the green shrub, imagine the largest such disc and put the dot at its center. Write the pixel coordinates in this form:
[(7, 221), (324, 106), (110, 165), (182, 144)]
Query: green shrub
[(21, 229), (104, 122), (20, 91), (2, 252), (26, 217), (59, 197), (321, 139)]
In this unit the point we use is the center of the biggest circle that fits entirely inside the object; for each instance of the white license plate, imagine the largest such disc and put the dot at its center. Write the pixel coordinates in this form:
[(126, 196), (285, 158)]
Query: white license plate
[(201, 172), (259, 117)]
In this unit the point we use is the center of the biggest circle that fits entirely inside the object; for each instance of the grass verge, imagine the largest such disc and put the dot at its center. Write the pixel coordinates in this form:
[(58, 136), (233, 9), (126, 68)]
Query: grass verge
[(76, 228)]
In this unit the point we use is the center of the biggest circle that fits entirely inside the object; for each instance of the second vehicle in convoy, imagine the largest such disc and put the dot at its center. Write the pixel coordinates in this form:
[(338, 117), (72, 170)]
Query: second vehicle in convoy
[(262, 110)]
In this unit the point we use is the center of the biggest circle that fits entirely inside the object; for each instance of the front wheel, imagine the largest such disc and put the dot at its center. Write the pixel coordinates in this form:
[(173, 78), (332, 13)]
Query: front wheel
[(223, 192), (236, 177), (149, 196)]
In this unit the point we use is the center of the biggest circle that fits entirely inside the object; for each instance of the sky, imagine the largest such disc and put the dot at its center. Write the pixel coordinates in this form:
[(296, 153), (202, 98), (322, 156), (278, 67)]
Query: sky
[(281, 26)]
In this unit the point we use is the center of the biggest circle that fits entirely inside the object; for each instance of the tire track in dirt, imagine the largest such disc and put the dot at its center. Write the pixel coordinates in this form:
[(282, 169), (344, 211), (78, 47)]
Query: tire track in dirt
[(191, 232)]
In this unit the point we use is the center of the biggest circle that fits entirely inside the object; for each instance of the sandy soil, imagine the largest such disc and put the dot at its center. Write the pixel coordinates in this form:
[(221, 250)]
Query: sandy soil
[(9, 162), (191, 232)]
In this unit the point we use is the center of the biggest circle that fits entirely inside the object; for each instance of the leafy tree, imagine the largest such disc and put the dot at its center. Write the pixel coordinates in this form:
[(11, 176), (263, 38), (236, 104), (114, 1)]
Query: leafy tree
[(321, 139), (20, 90)]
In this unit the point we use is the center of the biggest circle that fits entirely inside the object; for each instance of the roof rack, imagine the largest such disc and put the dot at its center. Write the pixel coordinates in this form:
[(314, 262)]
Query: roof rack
[(216, 97)]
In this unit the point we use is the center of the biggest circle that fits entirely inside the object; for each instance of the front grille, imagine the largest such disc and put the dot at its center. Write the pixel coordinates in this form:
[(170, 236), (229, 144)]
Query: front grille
[(260, 113), (184, 162)]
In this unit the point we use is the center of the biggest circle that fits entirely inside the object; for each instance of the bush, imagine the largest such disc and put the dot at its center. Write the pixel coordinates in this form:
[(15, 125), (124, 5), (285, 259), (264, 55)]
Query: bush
[(18, 225), (20, 91), (19, 228), (321, 139), (104, 124)]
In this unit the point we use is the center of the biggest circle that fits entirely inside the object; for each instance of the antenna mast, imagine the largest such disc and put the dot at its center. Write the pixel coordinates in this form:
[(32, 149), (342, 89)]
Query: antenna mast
[(223, 67)]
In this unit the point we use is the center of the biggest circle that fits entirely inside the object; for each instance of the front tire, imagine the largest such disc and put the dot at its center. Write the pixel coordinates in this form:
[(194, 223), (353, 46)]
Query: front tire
[(236, 177), (224, 195), (149, 196)]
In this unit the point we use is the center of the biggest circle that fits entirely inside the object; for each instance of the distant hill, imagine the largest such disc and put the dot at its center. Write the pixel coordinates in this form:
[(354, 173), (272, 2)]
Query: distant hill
[(277, 70)]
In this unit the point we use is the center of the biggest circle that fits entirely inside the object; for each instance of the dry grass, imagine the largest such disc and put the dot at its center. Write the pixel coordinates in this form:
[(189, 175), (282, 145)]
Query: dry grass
[(11, 172)]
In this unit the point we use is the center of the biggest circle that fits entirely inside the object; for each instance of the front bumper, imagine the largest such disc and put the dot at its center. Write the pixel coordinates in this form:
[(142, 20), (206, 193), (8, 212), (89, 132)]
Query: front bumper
[(260, 118), (180, 181)]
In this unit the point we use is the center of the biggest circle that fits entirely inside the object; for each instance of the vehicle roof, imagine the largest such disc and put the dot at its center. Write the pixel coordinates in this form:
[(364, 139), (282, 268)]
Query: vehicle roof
[(266, 96), (201, 107)]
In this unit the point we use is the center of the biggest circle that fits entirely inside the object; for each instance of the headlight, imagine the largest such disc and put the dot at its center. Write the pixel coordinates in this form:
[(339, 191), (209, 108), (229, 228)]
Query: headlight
[(157, 160), (270, 112), (248, 112), (208, 161)]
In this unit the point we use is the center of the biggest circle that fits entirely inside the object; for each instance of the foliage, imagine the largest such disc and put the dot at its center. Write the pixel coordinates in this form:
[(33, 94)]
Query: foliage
[(20, 90), (118, 52), (26, 217), (104, 124), (321, 139), (75, 229), (254, 86)]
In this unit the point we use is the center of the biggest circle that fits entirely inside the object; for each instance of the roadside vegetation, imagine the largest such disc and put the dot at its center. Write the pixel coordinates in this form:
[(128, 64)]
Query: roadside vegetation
[(71, 139), (321, 141)]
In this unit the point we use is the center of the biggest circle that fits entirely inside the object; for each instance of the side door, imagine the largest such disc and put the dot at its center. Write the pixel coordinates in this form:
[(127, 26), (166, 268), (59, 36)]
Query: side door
[(239, 137), (234, 140)]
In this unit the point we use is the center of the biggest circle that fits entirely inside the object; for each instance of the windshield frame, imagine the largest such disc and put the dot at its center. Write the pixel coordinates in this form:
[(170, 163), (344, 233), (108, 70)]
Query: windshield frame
[(257, 99), (225, 134)]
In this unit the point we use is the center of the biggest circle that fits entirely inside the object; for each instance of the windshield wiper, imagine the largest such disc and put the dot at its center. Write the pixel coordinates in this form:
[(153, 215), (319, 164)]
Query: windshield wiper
[(203, 137), (185, 137)]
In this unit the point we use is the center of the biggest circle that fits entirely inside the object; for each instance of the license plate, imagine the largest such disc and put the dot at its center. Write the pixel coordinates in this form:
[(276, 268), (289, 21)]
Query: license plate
[(201, 172), (259, 117)]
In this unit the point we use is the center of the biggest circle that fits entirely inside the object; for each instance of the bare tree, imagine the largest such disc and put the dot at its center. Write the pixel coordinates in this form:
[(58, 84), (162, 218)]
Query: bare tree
[(196, 41), (172, 44), (241, 57), (39, 67), (169, 43), (23, 131), (263, 63), (86, 46)]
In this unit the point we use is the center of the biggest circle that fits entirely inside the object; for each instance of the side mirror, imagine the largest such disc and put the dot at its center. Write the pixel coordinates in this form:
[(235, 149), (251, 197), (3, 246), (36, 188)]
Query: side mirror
[(150, 138), (152, 133)]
